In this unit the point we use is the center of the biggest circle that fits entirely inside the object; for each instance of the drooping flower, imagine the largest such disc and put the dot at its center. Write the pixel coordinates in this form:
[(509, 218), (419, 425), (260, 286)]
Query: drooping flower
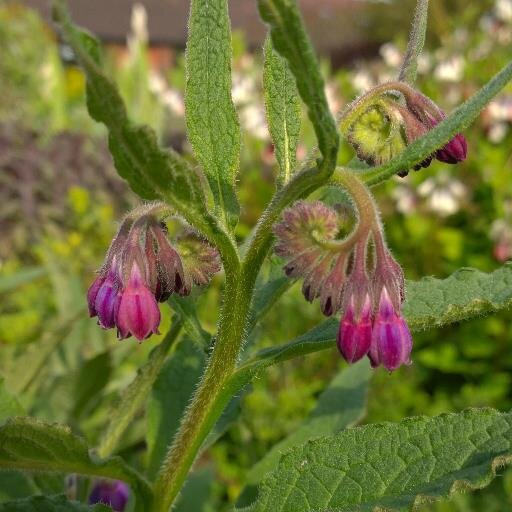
[(114, 494), (143, 268), (380, 125), (138, 312), (391, 342)]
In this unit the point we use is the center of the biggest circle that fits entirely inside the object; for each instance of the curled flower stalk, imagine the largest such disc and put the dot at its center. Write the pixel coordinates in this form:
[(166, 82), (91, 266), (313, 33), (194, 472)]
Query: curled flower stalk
[(142, 268), (381, 123), (356, 276)]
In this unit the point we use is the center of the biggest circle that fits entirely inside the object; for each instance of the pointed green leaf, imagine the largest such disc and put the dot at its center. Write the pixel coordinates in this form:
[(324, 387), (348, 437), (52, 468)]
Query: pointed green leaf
[(283, 111), (291, 41), (150, 171), (30, 445), (50, 504), (390, 466), (212, 123), (430, 302), (456, 122), (409, 67), (341, 405), (169, 398)]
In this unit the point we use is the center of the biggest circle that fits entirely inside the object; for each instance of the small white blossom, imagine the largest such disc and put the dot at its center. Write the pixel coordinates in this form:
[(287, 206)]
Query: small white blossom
[(391, 54), (443, 194), (503, 9), (450, 70)]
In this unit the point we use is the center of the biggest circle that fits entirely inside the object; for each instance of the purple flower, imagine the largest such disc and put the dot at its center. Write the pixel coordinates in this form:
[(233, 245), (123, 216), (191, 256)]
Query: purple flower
[(107, 301), (391, 342), (141, 268), (455, 151), (112, 493), (355, 332), (92, 293), (138, 312)]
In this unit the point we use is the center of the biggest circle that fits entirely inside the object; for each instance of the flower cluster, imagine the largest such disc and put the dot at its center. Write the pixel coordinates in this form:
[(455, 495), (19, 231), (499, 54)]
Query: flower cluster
[(143, 268), (380, 126), (368, 291)]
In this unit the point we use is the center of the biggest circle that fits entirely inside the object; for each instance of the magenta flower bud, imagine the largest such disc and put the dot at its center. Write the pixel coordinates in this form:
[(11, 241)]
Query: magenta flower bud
[(391, 342), (115, 494), (107, 301), (453, 152), (355, 332), (138, 312), (92, 292)]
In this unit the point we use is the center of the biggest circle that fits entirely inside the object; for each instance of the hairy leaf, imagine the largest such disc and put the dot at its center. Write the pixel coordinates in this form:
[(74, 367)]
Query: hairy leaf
[(430, 302), (456, 122), (467, 293), (30, 445), (341, 405), (212, 123), (135, 395), (150, 171), (390, 466), (283, 111), (169, 398), (50, 504), (409, 67), (291, 41)]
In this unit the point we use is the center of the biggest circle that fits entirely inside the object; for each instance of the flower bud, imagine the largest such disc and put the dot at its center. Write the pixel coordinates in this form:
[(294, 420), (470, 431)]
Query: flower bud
[(114, 494), (138, 312), (355, 331), (391, 342)]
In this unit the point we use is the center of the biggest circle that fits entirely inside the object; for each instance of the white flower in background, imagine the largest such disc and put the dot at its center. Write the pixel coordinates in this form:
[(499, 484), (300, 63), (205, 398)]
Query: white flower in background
[(501, 109), (503, 10), (362, 80), (331, 93), (443, 194), (405, 199), (450, 70), (169, 97), (391, 54), (252, 118), (497, 132), (244, 89)]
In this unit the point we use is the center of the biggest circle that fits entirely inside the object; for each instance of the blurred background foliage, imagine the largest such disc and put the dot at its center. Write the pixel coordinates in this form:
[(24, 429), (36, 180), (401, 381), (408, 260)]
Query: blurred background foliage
[(60, 198)]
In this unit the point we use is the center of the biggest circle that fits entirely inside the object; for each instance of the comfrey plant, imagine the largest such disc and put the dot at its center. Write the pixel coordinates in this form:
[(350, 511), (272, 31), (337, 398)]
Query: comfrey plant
[(184, 234)]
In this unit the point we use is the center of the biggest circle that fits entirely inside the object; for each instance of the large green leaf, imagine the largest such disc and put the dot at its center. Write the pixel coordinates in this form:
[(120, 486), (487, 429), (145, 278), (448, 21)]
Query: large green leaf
[(283, 111), (212, 123), (151, 172), (169, 398), (196, 493), (31, 445), (341, 405), (135, 395), (50, 504), (291, 41), (457, 121), (409, 67), (390, 466), (430, 302)]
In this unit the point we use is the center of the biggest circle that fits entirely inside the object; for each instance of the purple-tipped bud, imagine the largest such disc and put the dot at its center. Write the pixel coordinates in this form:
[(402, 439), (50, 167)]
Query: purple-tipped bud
[(455, 151), (107, 301), (391, 342), (138, 312), (355, 332), (92, 293), (115, 494)]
